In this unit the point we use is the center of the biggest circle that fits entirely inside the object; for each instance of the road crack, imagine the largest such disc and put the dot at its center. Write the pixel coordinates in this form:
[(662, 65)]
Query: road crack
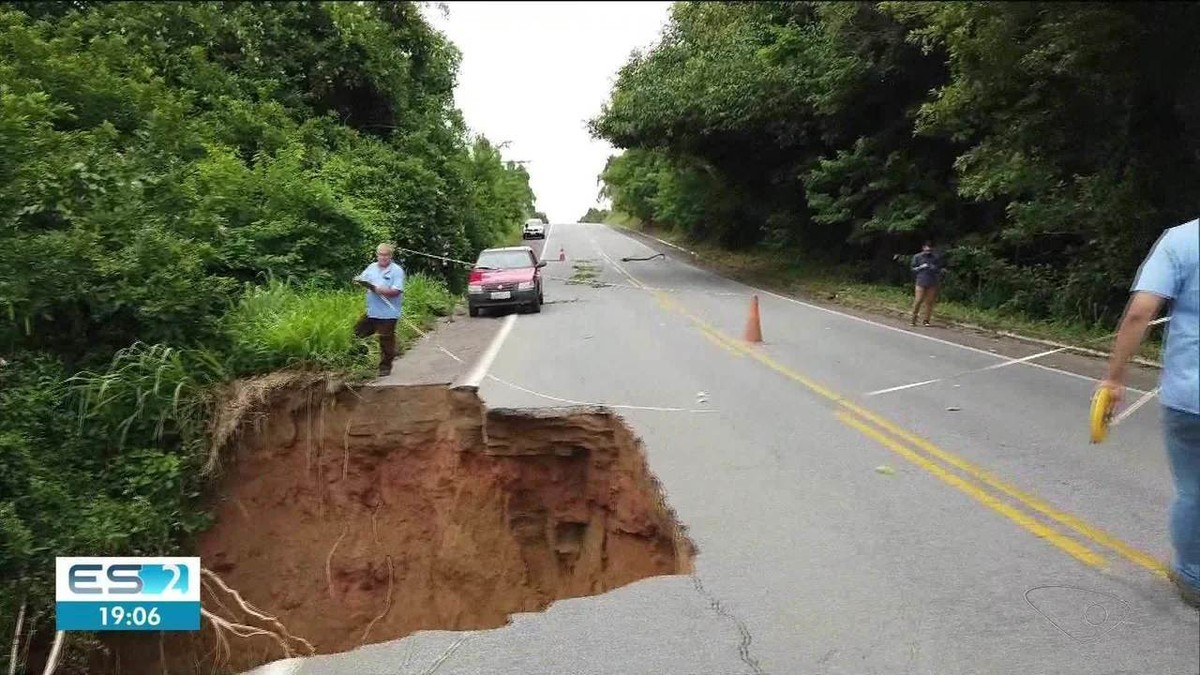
[(743, 631)]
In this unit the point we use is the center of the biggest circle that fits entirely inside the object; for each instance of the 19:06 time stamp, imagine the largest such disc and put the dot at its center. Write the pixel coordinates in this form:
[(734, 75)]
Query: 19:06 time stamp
[(101, 616), (136, 616)]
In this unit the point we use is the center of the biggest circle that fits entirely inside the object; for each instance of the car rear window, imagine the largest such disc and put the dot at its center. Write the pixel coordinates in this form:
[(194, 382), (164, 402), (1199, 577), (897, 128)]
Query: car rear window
[(505, 259)]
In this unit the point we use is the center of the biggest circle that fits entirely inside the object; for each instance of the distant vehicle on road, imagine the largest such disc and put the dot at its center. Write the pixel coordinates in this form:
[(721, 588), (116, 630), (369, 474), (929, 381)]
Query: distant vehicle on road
[(534, 229), (506, 277)]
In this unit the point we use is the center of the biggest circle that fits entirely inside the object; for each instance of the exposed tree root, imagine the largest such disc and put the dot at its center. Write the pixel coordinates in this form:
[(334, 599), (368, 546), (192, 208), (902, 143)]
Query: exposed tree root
[(279, 633), (16, 643), (388, 607), (329, 561)]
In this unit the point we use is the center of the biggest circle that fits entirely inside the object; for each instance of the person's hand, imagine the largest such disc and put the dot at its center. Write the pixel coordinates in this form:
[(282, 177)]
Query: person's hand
[(1116, 391), (380, 289)]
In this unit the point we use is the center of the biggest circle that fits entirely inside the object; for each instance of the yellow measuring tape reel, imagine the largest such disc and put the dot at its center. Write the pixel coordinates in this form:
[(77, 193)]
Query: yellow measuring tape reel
[(1101, 414)]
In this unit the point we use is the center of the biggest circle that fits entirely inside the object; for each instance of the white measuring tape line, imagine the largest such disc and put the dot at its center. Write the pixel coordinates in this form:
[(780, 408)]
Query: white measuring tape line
[(604, 284), (994, 366), (436, 257), (423, 334), (1003, 364), (557, 399), (518, 387), (1137, 404), (602, 405), (576, 282)]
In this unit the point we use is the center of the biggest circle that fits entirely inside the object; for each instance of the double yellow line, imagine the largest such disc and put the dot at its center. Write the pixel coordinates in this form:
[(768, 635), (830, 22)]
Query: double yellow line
[(1001, 497)]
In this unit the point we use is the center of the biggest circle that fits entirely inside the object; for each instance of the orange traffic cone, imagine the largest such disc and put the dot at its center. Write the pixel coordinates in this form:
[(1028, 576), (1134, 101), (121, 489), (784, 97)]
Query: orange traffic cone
[(753, 324), (562, 254)]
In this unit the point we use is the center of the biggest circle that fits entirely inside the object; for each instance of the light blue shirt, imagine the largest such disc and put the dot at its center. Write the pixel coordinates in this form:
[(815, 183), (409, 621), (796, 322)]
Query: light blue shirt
[(391, 277), (1172, 271)]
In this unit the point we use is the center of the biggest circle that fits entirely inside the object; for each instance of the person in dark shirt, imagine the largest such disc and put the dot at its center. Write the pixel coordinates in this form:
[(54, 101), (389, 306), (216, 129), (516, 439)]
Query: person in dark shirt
[(928, 268)]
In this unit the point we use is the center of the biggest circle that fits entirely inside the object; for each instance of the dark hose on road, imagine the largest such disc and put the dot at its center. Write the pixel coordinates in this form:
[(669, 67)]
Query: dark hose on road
[(633, 259)]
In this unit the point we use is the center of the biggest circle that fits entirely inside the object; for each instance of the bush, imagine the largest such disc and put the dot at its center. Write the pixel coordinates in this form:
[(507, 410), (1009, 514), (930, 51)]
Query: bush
[(158, 160), (70, 488)]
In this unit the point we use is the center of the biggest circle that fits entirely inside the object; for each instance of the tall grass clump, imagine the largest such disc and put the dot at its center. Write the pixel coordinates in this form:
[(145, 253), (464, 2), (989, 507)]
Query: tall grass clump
[(287, 324), (150, 392)]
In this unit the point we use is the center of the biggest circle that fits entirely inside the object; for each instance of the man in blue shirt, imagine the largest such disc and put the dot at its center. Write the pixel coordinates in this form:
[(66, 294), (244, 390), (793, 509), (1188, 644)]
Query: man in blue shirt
[(384, 280), (1171, 272), (928, 268)]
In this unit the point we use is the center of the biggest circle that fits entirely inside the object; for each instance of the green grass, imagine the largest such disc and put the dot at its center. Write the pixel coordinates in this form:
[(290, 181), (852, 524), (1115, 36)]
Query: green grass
[(585, 270), (627, 222), (164, 393), (160, 392), (787, 273), (282, 325)]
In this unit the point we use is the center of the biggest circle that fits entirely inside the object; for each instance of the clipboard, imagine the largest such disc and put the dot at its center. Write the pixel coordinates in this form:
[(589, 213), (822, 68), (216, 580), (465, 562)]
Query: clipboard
[(371, 287)]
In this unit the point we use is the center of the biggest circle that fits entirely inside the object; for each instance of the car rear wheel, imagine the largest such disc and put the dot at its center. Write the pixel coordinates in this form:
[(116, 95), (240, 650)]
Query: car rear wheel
[(472, 310)]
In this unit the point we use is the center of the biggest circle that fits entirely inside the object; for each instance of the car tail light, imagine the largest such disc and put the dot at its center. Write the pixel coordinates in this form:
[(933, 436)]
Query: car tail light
[(475, 281)]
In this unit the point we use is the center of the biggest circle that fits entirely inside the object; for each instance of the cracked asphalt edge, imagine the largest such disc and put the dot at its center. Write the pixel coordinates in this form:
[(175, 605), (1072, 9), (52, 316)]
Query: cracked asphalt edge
[(743, 631)]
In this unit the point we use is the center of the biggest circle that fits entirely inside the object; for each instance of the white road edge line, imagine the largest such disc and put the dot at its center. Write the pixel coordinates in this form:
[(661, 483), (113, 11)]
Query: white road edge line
[(546, 242), (868, 321), (615, 264), (674, 246), (475, 376)]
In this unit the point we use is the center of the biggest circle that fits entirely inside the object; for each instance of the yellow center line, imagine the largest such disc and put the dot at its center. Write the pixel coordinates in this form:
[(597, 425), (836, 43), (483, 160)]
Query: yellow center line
[(1089, 532), (1067, 544), (720, 341), (713, 335)]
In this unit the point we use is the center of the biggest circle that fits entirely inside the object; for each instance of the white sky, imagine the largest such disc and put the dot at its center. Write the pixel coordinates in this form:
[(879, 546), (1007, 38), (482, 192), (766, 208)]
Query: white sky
[(534, 73)]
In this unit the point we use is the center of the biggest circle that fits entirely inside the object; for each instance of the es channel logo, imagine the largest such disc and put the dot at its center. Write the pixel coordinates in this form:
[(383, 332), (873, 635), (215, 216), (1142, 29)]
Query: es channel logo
[(95, 594)]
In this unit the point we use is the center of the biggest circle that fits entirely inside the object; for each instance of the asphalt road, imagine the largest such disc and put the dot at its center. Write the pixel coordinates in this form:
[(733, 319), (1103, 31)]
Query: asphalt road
[(1000, 541)]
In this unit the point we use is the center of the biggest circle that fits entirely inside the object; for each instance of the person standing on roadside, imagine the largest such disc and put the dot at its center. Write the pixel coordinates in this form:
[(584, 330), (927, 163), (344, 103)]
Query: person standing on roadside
[(928, 268), (1171, 272), (384, 280)]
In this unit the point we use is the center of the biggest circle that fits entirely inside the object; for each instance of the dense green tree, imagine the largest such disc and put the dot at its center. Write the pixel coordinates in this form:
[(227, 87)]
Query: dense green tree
[(157, 156), (594, 215), (158, 163), (1048, 143)]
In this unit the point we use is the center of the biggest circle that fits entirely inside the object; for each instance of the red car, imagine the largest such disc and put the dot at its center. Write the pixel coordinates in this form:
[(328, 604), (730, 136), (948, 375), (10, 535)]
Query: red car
[(505, 277)]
